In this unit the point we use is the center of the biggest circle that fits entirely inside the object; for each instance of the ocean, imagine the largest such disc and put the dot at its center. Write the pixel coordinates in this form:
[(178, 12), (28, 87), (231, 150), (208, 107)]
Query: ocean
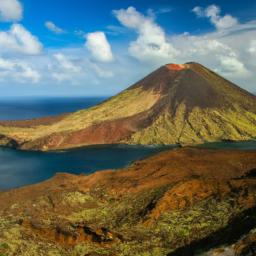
[(19, 168)]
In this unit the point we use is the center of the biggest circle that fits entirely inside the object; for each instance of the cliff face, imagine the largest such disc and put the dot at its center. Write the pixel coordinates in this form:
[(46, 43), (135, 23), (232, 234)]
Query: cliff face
[(185, 104), (174, 203)]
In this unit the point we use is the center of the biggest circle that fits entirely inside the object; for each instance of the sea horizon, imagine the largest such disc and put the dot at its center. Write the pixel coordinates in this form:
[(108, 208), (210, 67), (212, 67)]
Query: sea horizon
[(29, 107)]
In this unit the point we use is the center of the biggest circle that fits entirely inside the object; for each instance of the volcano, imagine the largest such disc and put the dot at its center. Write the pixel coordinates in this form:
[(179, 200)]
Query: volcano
[(176, 104)]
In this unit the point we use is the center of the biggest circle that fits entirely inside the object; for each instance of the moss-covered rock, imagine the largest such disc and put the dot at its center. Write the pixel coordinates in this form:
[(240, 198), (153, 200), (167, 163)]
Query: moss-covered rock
[(158, 206)]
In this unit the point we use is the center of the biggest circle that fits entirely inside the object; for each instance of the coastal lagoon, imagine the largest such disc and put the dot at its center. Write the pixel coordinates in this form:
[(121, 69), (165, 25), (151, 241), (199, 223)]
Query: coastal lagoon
[(20, 168)]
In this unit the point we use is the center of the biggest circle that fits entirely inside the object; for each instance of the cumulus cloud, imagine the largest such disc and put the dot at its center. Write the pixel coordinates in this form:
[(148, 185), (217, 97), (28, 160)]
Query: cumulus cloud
[(18, 70), (213, 13), (99, 47), (199, 46), (222, 50), (65, 63), (20, 40), (230, 50), (252, 47), (231, 66), (54, 28), (10, 10), (212, 51), (151, 43), (64, 68)]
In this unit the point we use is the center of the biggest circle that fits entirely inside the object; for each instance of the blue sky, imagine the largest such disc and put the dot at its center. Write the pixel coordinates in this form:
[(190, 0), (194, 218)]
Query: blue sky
[(63, 47)]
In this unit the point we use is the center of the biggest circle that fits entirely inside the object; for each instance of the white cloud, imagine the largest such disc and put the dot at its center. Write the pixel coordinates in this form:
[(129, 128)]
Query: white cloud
[(101, 72), (10, 10), (198, 11), (213, 13), (65, 63), (20, 40), (231, 66), (222, 50), (18, 70), (230, 51), (99, 47), (213, 51), (252, 48), (54, 28), (60, 77), (64, 69), (151, 43), (194, 46)]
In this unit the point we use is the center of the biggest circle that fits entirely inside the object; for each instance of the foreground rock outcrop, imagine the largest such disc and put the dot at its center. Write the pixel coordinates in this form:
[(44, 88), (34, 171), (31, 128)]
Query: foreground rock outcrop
[(176, 104), (180, 202)]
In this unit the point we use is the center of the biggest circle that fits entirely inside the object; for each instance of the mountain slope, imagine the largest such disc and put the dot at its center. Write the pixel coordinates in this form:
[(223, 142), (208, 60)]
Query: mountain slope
[(158, 206), (184, 104)]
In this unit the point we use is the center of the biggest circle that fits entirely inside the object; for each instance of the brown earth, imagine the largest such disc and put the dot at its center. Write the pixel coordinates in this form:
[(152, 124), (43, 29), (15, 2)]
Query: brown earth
[(33, 122), (158, 205), (176, 104)]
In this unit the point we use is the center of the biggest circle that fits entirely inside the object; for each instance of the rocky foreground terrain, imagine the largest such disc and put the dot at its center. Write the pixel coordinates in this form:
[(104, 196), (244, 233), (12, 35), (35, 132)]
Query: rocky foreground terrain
[(176, 104), (186, 201)]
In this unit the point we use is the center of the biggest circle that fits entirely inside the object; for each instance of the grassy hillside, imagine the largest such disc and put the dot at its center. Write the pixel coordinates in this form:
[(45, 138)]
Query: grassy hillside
[(185, 104), (125, 104), (159, 206)]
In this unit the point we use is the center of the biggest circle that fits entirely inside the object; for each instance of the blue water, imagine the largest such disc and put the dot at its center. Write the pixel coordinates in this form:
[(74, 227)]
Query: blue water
[(19, 168), (33, 107)]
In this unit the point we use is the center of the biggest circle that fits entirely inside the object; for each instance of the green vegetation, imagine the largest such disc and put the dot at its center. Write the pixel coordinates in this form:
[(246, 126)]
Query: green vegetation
[(156, 111), (137, 99), (129, 216), (171, 229), (198, 127)]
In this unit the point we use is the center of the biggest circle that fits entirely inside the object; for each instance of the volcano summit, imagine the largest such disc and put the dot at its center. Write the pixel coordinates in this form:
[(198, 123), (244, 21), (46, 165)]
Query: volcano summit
[(175, 104)]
